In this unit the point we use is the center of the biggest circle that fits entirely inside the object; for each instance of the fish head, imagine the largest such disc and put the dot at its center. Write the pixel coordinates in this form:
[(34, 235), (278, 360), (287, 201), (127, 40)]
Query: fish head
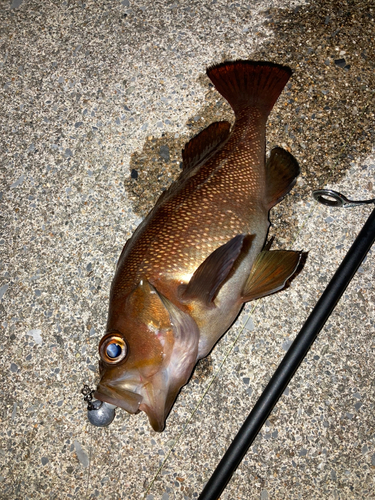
[(146, 354)]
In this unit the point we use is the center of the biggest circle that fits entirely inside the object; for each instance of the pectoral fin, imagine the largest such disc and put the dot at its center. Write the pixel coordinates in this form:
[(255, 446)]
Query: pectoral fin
[(211, 274), (270, 272)]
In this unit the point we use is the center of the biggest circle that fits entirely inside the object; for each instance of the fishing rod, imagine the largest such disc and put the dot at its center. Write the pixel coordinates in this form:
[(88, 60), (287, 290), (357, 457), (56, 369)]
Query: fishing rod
[(298, 350)]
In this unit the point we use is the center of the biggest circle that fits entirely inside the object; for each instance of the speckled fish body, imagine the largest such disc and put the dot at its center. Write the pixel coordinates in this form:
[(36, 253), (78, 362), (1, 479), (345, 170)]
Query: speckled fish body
[(183, 277)]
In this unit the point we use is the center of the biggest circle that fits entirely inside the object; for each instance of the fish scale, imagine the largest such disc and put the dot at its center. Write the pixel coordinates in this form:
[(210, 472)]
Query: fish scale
[(202, 206), (206, 186), (198, 256)]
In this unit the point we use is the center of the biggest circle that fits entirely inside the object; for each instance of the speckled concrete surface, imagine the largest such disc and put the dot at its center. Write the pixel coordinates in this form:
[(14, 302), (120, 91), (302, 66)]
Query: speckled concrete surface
[(97, 100)]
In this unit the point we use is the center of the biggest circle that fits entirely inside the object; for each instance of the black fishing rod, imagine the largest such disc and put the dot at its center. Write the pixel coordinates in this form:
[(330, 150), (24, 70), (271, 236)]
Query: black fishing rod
[(298, 350)]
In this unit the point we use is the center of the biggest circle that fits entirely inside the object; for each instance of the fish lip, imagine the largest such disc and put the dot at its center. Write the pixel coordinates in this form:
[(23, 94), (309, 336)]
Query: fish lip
[(128, 400)]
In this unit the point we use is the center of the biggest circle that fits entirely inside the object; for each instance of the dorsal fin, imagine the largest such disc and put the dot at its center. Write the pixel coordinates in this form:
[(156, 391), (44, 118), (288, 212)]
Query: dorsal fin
[(281, 173), (200, 146), (249, 84)]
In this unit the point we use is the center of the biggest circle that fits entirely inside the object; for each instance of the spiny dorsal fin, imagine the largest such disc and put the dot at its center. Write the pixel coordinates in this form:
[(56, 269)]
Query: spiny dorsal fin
[(281, 173), (211, 274), (270, 272), (204, 143), (254, 84)]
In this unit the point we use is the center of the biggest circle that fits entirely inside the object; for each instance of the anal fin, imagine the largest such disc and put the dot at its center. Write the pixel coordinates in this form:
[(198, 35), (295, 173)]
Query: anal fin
[(270, 272)]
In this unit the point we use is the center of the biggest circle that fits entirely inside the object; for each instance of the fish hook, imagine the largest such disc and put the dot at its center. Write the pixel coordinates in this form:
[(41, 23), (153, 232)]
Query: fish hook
[(334, 199)]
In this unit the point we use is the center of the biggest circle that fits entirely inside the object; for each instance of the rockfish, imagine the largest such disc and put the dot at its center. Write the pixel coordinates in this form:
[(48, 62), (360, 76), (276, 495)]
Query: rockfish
[(199, 255)]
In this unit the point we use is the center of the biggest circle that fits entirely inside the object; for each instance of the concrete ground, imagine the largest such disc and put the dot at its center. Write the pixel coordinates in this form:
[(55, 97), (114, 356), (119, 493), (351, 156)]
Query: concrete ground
[(92, 92)]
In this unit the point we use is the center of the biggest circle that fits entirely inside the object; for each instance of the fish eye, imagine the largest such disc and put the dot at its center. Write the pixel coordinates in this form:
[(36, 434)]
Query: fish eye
[(113, 348)]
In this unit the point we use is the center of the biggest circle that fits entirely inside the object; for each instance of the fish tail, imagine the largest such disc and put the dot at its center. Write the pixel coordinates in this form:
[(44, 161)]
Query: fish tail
[(250, 84)]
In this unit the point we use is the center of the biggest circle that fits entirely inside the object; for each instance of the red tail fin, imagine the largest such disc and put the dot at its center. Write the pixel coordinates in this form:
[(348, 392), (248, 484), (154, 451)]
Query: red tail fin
[(245, 84)]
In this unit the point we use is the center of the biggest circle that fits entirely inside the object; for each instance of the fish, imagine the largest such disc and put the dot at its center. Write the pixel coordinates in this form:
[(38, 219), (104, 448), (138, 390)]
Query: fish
[(200, 254)]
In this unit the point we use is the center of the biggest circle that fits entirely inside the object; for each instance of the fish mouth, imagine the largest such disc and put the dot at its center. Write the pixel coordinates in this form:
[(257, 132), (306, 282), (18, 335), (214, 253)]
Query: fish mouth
[(128, 400), (134, 394), (132, 403)]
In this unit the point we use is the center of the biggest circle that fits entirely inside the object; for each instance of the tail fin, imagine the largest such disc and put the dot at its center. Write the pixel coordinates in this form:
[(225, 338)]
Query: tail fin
[(250, 84)]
